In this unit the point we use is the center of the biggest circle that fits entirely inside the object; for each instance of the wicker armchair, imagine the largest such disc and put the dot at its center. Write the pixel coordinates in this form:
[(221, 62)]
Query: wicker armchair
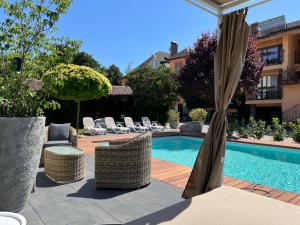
[(124, 165), (73, 140)]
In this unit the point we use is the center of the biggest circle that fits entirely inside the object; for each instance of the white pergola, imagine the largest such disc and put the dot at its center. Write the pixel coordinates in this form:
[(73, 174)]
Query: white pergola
[(220, 7)]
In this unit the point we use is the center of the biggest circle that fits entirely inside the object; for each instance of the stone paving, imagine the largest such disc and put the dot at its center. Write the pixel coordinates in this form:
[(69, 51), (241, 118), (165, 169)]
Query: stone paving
[(80, 203)]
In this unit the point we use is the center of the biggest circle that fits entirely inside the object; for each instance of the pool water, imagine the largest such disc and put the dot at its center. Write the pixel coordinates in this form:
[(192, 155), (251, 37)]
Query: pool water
[(270, 166)]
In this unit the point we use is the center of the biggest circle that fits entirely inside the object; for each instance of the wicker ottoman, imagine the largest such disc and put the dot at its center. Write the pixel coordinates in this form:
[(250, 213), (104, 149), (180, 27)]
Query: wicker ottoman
[(64, 164)]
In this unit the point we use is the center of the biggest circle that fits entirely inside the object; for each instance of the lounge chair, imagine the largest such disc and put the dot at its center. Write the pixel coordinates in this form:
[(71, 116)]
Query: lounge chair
[(59, 135), (135, 127), (118, 129), (151, 126), (89, 125), (124, 164)]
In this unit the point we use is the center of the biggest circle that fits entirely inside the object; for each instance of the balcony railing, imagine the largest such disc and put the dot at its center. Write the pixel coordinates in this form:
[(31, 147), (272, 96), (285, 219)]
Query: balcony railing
[(266, 93), (289, 76)]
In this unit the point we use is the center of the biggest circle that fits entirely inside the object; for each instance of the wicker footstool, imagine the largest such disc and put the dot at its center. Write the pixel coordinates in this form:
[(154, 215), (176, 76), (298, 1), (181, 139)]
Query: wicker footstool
[(64, 164)]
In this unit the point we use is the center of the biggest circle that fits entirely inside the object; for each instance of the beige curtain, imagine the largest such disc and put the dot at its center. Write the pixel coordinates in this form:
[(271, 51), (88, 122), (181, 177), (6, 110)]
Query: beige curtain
[(207, 173)]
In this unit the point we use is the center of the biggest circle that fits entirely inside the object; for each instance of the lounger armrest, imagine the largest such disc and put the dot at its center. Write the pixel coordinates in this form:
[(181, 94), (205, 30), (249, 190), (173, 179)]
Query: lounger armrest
[(137, 125), (155, 124), (119, 125)]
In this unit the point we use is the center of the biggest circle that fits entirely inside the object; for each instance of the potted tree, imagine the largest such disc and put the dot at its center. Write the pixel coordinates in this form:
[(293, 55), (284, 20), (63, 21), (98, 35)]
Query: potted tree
[(173, 119), (198, 116), (24, 32), (78, 83)]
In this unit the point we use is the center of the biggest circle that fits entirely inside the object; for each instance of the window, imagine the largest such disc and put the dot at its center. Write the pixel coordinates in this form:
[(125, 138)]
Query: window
[(268, 81), (272, 55), (268, 88), (178, 67)]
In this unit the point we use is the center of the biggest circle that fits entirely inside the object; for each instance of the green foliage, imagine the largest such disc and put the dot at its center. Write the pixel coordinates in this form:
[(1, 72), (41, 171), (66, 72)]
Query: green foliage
[(78, 83), (278, 129), (295, 131), (114, 74), (85, 59), (231, 127), (60, 50), (25, 30), (254, 129), (243, 131), (155, 92), (173, 115), (198, 115)]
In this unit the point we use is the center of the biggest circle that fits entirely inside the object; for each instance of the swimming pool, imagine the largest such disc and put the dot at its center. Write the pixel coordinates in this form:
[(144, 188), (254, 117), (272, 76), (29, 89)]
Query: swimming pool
[(270, 166)]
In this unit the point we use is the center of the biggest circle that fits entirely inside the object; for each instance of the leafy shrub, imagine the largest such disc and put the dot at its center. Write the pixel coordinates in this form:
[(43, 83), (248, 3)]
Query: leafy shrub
[(257, 129), (278, 129), (295, 131), (198, 115), (254, 129), (231, 127), (173, 115), (243, 131)]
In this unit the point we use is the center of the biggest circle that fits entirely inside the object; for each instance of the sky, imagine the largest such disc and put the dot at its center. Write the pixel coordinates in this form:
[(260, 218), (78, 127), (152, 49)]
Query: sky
[(129, 31)]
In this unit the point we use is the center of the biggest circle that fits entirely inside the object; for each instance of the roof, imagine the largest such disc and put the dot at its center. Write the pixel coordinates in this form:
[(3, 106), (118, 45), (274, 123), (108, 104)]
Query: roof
[(160, 56), (120, 91), (180, 54), (274, 26)]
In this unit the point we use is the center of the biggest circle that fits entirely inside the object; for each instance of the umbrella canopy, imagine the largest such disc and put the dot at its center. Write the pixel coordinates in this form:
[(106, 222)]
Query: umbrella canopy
[(219, 7)]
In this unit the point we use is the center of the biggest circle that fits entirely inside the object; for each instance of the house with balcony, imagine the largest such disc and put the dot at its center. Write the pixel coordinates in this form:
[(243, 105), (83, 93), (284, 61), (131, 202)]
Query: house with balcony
[(278, 93)]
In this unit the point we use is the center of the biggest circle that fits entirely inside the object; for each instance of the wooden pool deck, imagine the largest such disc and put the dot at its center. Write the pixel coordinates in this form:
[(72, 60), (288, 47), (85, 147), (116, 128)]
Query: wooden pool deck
[(177, 175)]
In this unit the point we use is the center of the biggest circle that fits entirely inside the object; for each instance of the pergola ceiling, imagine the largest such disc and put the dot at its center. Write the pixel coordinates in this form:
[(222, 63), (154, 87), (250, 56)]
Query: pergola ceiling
[(219, 7)]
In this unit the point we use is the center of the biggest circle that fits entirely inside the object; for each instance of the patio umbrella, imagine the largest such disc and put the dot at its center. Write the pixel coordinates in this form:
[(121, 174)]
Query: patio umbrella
[(207, 173)]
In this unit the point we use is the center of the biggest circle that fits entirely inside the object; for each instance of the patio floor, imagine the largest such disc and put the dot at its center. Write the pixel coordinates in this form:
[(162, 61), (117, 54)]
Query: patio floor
[(80, 203)]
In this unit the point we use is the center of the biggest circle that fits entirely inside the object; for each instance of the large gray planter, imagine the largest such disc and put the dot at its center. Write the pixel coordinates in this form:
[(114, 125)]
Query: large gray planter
[(21, 142), (174, 124), (194, 126)]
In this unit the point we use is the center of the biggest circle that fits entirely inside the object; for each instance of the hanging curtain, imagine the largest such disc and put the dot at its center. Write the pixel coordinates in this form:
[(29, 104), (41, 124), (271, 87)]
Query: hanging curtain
[(207, 173)]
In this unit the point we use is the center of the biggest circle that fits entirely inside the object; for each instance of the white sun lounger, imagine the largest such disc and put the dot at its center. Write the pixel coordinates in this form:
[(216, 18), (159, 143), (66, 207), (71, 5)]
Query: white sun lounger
[(89, 125), (118, 129), (151, 126), (135, 127)]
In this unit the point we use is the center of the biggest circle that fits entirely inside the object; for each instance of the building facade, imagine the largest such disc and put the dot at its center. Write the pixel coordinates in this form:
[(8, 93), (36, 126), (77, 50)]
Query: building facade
[(278, 93)]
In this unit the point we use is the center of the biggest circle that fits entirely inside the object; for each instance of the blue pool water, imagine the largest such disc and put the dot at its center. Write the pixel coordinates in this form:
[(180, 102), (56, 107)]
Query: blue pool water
[(270, 166)]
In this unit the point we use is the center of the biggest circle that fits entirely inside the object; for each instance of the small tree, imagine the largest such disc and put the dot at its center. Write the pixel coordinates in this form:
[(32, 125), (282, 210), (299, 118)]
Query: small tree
[(114, 75), (155, 92), (78, 83), (197, 76), (26, 28)]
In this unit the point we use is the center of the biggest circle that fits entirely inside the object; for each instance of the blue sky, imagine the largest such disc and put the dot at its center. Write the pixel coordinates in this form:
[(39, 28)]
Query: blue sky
[(123, 31)]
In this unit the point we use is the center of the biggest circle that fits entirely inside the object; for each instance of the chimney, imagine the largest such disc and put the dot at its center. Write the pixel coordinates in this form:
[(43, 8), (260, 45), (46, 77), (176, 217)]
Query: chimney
[(174, 48)]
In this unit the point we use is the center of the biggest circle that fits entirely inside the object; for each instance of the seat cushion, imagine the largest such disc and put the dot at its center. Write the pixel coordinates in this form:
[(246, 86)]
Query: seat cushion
[(57, 143), (59, 132)]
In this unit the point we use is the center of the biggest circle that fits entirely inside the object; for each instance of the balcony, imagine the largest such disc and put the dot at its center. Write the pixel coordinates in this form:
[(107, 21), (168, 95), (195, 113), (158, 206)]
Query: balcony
[(290, 76), (266, 93)]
